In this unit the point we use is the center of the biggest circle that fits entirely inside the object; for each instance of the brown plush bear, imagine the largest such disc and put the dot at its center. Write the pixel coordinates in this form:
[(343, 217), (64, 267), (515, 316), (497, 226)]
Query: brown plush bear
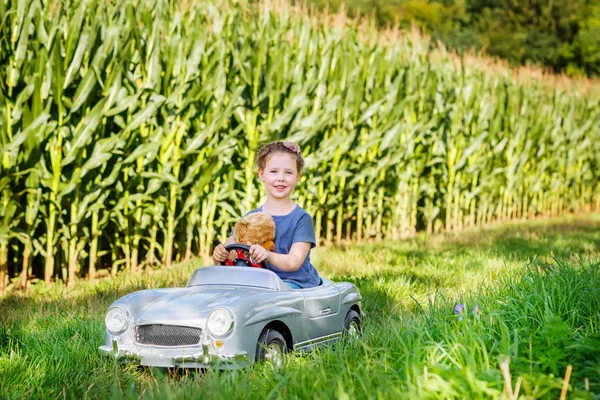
[(254, 228)]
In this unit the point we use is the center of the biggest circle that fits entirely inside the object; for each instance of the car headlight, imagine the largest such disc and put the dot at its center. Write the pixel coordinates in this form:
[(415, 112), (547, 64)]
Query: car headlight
[(220, 322), (116, 320)]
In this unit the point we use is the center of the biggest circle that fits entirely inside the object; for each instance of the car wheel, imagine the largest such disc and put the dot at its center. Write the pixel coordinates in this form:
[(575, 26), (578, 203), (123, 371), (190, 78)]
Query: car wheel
[(271, 347), (352, 324)]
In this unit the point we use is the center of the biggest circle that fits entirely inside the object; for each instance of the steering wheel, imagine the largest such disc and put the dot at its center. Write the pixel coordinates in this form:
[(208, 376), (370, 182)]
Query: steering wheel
[(242, 258)]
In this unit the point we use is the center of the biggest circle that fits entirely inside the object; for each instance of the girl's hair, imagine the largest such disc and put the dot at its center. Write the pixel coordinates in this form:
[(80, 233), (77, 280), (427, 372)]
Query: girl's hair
[(279, 147)]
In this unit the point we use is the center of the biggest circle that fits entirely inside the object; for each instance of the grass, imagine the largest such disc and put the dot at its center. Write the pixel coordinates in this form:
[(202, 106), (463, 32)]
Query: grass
[(536, 285)]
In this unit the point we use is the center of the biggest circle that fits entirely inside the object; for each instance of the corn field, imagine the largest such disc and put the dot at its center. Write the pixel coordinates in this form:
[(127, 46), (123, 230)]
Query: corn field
[(129, 131)]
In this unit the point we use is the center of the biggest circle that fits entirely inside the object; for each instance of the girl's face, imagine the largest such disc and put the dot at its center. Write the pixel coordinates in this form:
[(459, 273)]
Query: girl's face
[(280, 175)]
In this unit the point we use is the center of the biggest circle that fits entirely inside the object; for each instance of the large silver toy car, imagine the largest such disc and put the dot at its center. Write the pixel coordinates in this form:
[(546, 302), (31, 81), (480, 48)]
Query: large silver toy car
[(228, 316)]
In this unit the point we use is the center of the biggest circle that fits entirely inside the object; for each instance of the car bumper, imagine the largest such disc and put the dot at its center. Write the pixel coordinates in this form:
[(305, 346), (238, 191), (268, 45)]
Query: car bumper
[(205, 358)]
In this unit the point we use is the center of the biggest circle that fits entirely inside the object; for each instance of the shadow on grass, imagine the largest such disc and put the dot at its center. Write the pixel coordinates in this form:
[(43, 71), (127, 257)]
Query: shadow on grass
[(522, 241)]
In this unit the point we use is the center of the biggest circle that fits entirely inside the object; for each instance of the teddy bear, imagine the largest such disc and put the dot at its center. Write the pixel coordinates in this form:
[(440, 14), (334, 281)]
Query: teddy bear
[(254, 228)]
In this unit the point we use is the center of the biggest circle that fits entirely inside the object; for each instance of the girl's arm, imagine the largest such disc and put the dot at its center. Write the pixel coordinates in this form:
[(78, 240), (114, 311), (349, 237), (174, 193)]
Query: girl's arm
[(293, 261)]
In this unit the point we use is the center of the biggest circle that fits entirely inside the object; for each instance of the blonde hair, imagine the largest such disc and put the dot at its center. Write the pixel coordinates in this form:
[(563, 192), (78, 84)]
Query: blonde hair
[(279, 147)]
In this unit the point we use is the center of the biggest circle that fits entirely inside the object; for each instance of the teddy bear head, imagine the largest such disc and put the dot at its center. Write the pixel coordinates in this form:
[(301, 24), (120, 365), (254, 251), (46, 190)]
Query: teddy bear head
[(256, 228)]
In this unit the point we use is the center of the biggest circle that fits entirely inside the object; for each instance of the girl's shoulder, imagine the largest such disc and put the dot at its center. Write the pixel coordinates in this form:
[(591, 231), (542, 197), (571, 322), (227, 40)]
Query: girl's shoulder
[(298, 216), (301, 211), (297, 212)]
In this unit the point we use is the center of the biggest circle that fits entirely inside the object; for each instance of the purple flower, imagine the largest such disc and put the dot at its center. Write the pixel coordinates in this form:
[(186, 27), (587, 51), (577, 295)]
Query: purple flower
[(476, 310), (460, 319), (459, 308)]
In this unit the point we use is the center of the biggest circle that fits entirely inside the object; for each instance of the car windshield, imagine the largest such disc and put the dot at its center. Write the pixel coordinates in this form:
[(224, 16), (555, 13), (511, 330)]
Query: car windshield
[(235, 276)]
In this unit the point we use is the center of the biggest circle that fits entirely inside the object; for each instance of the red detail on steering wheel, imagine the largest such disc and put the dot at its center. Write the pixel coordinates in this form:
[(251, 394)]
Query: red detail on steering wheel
[(242, 255)]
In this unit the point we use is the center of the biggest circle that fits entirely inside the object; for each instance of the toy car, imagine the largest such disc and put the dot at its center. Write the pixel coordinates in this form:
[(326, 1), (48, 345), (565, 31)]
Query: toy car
[(228, 316)]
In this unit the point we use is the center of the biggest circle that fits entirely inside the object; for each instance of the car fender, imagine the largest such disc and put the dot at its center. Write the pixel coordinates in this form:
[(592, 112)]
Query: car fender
[(271, 314), (352, 298)]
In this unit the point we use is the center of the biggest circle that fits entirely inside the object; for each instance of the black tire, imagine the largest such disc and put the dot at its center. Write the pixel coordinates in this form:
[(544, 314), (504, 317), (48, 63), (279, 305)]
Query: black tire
[(352, 324), (271, 347)]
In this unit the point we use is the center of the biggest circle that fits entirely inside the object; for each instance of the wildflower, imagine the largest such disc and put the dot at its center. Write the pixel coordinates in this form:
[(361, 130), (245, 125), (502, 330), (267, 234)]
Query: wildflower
[(459, 308)]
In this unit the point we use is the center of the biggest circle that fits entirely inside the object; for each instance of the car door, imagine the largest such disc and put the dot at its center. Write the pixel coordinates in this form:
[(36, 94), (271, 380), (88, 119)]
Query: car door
[(322, 305)]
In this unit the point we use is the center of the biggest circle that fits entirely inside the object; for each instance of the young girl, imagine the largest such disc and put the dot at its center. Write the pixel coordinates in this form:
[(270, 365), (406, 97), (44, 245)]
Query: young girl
[(279, 168)]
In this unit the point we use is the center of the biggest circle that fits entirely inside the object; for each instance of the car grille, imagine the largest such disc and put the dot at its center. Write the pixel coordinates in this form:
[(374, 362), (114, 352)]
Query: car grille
[(167, 335)]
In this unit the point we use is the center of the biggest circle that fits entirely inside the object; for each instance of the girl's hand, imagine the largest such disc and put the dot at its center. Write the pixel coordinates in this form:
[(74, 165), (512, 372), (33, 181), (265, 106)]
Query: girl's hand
[(220, 254), (258, 253)]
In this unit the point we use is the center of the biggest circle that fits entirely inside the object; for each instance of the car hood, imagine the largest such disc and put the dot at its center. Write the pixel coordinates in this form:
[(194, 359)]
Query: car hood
[(181, 303)]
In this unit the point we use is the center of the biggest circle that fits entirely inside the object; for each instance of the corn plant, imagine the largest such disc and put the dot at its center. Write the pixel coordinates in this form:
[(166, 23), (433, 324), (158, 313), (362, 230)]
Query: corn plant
[(129, 132)]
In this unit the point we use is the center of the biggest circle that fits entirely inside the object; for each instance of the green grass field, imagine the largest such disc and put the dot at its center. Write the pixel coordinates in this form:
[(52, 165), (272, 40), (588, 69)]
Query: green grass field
[(536, 286)]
